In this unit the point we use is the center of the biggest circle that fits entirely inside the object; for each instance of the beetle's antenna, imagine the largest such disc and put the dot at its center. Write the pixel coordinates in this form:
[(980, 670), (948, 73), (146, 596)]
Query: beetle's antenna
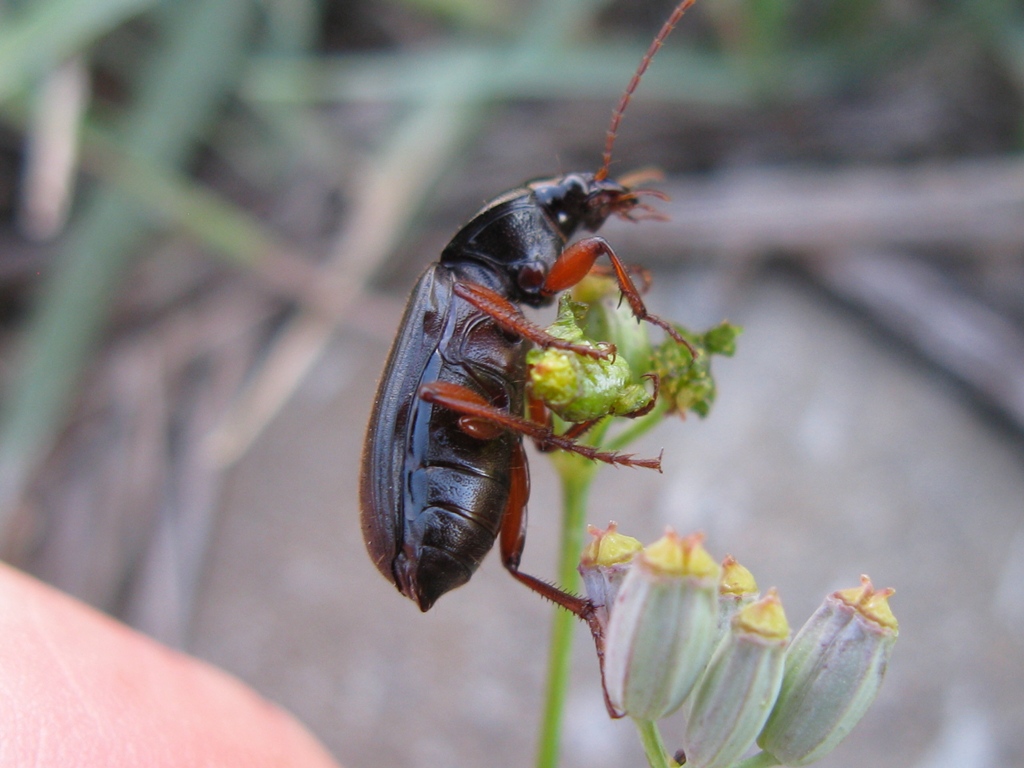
[(613, 128)]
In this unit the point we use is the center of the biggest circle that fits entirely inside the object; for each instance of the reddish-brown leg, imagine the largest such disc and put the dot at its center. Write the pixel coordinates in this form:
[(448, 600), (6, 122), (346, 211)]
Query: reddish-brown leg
[(536, 410), (513, 540), (579, 429), (508, 316), (511, 543), (479, 418), (540, 414), (640, 276), (577, 260)]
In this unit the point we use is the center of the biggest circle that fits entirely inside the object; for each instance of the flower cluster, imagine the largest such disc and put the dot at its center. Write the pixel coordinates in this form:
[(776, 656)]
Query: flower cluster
[(579, 389), (680, 630), (674, 628)]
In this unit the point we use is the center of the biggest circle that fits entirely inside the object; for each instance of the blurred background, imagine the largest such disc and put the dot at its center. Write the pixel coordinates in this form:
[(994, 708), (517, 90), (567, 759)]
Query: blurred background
[(211, 212)]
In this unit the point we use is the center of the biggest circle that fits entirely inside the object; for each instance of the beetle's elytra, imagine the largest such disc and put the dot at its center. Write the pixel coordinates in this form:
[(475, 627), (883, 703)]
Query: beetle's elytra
[(444, 473)]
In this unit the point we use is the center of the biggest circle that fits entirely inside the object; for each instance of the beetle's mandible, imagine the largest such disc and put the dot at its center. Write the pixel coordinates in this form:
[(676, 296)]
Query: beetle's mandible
[(444, 473)]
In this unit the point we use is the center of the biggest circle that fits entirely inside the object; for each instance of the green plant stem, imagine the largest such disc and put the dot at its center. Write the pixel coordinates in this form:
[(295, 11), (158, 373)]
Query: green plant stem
[(576, 475), (638, 428), (654, 747)]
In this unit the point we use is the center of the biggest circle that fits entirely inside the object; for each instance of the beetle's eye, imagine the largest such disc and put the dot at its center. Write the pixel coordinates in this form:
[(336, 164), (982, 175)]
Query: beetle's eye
[(531, 277)]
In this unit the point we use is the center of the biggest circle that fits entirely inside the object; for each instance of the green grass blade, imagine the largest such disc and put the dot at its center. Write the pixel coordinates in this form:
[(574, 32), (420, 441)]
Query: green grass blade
[(34, 41), (205, 43), (570, 72)]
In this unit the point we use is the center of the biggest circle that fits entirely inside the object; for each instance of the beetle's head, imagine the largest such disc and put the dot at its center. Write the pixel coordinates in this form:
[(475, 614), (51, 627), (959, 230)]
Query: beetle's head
[(570, 203), (583, 201)]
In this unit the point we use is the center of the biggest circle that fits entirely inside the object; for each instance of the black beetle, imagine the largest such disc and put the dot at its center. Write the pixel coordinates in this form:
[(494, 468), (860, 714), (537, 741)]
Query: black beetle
[(443, 470)]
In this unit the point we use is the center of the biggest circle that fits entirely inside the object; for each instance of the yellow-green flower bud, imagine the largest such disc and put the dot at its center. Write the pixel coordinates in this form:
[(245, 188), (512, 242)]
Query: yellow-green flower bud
[(662, 627), (603, 566), (609, 547), (736, 579), (736, 588), (580, 388), (734, 696), (834, 668)]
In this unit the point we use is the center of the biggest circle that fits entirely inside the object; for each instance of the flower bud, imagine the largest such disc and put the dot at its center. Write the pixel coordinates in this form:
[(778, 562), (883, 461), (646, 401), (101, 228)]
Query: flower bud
[(737, 588), (834, 668), (686, 380), (721, 340), (662, 627), (580, 388), (734, 696), (611, 319), (603, 566)]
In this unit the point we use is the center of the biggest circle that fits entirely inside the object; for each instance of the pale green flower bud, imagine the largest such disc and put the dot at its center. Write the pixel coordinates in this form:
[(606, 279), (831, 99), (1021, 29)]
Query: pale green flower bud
[(603, 566), (834, 668), (662, 627), (735, 694)]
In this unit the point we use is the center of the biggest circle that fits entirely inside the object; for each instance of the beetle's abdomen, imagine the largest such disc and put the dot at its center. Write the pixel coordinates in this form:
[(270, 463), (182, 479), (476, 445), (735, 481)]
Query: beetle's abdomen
[(457, 485), (450, 529)]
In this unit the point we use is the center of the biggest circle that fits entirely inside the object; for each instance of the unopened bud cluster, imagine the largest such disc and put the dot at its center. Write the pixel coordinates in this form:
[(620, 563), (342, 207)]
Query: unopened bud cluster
[(579, 388), (681, 630)]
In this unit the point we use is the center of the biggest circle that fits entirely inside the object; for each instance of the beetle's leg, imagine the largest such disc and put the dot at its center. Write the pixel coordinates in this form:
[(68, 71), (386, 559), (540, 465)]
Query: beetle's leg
[(579, 429), (510, 318), (579, 258), (483, 420), (538, 413), (541, 414), (512, 542), (640, 276)]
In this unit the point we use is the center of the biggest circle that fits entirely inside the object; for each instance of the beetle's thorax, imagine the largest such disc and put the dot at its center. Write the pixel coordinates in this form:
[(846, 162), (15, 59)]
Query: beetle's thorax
[(512, 242)]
